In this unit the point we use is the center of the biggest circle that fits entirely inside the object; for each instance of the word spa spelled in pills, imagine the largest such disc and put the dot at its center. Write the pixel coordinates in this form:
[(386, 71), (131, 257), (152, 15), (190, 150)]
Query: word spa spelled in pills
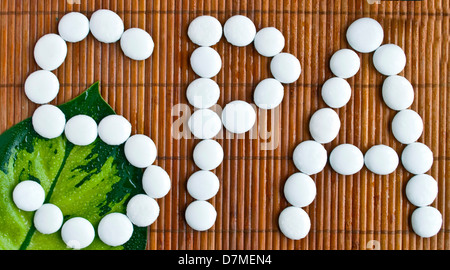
[(364, 35), (238, 116), (49, 121)]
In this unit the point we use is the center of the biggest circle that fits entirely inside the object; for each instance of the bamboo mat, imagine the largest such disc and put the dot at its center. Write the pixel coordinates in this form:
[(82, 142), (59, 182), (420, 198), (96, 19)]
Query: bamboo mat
[(362, 211)]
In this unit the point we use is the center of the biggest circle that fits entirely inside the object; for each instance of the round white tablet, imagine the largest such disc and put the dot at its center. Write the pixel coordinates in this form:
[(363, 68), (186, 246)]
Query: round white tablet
[(156, 182), (73, 27), (81, 130), (41, 86), (269, 93), (142, 210), (203, 93), (239, 30), (300, 190), (238, 117), (426, 221), (48, 121), (204, 124), (346, 159), (417, 158), (336, 92), (115, 229), (269, 41), (137, 44), (200, 215), (389, 59), (407, 126), (421, 190), (106, 26), (294, 223), (208, 155), (324, 125), (365, 35), (48, 219), (310, 157), (140, 151), (285, 67), (28, 195), (205, 31), (398, 93), (206, 62), (77, 233), (114, 129), (50, 51), (345, 63), (203, 185), (381, 159)]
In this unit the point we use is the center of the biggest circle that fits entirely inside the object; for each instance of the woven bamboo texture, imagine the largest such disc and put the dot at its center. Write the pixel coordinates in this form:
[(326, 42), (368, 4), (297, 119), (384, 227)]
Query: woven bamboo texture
[(362, 211)]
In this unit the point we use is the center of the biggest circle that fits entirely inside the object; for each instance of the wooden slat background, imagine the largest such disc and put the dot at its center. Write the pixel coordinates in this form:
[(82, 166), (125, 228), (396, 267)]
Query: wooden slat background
[(349, 212)]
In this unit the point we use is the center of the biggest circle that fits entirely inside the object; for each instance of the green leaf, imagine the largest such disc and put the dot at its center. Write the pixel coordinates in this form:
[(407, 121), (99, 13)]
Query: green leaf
[(83, 181)]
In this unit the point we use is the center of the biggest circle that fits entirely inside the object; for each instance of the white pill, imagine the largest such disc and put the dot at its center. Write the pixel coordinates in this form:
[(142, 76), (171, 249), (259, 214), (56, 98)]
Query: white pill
[(365, 35), (137, 44), (398, 93), (294, 223), (41, 86), (81, 130), (345, 63), (324, 125), (421, 190), (50, 51), (142, 210), (407, 126), (300, 190), (28, 195), (206, 62), (269, 41), (77, 233), (208, 155), (73, 27), (269, 93), (156, 182), (381, 159), (336, 92), (115, 229), (205, 31), (203, 185), (48, 219), (200, 215), (204, 124), (310, 157), (417, 158), (114, 129), (285, 67), (238, 117), (239, 30), (140, 151), (48, 121), (346, 159), (389, 59), (106, 26), (426, 221), (203, 93)]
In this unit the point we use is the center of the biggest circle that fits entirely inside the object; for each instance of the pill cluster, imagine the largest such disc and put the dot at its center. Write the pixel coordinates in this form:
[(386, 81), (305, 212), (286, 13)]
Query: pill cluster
[(364, 35), (49, 121), (238, 116)]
